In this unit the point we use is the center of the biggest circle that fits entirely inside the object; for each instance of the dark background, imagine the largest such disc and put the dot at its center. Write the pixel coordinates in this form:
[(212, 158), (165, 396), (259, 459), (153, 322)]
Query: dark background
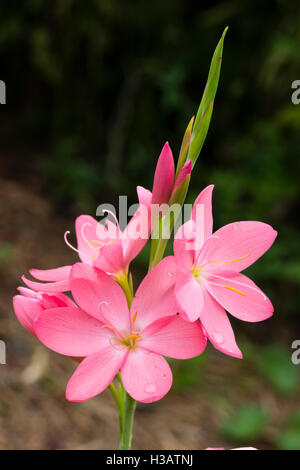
[(94, 89)]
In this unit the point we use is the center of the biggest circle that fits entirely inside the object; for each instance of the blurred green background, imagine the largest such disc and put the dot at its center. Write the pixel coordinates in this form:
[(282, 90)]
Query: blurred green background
[(94, 89)]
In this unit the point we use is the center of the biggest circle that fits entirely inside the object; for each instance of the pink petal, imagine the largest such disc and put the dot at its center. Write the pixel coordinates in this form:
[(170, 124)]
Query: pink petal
[(57, 274), (27, 310), (145, 196), (100, 296), (242, 243), (185, 171), (183, 246), (155, 295), (189, 296), (146, 376), (240, 296), (56, 300), (204, 199), (174, 337), (217, 326), (27, 292), (71, 332), (205, 256), (94, 374), (163, 177), (139, 228), (110, 257), (87, 229), (49, 287)]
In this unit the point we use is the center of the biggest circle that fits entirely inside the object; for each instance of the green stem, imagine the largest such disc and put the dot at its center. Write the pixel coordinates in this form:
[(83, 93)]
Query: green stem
[(123, 281), (126, 437), (119, 402), (125, 403)]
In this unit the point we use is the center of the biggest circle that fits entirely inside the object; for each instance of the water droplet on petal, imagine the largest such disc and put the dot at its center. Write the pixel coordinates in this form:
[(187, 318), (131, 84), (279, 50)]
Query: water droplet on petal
[(170, 274), (150, 388), (218, 337)]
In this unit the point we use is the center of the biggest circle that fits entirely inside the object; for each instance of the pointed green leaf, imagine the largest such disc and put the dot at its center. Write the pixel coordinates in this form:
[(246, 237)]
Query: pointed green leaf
[(200, 133), (205, 109)]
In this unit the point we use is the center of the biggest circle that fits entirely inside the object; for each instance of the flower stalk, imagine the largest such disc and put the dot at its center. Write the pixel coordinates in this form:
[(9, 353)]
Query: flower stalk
[(125, 403)]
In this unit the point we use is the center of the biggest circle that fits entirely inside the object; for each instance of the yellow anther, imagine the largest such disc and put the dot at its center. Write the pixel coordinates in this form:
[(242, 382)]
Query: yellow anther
[(108, 326), (135, 336), (235, 290), (239, 259), (134, 317), (99, 243), (214, 261)]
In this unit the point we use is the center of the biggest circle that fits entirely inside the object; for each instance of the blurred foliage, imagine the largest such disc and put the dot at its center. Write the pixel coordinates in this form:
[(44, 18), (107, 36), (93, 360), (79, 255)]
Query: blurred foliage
[(189, 374), (7, 253), (246, 424), (275, 365), (289, 437)]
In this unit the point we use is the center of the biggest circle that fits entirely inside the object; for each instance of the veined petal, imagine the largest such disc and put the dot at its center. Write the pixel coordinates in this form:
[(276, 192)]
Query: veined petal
[(49, 287), (189, 296), (56, 274), (71, 331), (100, 296), (239, 296), (163, 177), (217, 326), (27, 309), (242, 243), (174, 337), (146, 376), (95, 373), (154, 297)]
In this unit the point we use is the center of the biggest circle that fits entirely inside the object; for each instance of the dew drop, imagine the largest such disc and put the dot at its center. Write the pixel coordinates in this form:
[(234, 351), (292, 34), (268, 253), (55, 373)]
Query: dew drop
[(150, 388), (218, 337), (170, 274)]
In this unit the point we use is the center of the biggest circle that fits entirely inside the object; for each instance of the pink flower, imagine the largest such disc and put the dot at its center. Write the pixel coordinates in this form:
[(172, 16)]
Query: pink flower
[(113, 338), (105, 247), (30, 304), (209, 280)]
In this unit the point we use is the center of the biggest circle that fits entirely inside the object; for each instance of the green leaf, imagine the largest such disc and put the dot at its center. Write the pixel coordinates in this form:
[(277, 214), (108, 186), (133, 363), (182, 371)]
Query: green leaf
[(198, 137), (204, 113), (248, 422), (274, 363)]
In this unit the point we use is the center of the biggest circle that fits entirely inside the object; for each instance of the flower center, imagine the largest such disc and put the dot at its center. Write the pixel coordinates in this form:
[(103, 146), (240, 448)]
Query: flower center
[(197, 272), (131, 341)]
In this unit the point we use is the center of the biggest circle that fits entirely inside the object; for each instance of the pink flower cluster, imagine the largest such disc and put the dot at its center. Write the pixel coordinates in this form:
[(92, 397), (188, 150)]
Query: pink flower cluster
[(180, 303)]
